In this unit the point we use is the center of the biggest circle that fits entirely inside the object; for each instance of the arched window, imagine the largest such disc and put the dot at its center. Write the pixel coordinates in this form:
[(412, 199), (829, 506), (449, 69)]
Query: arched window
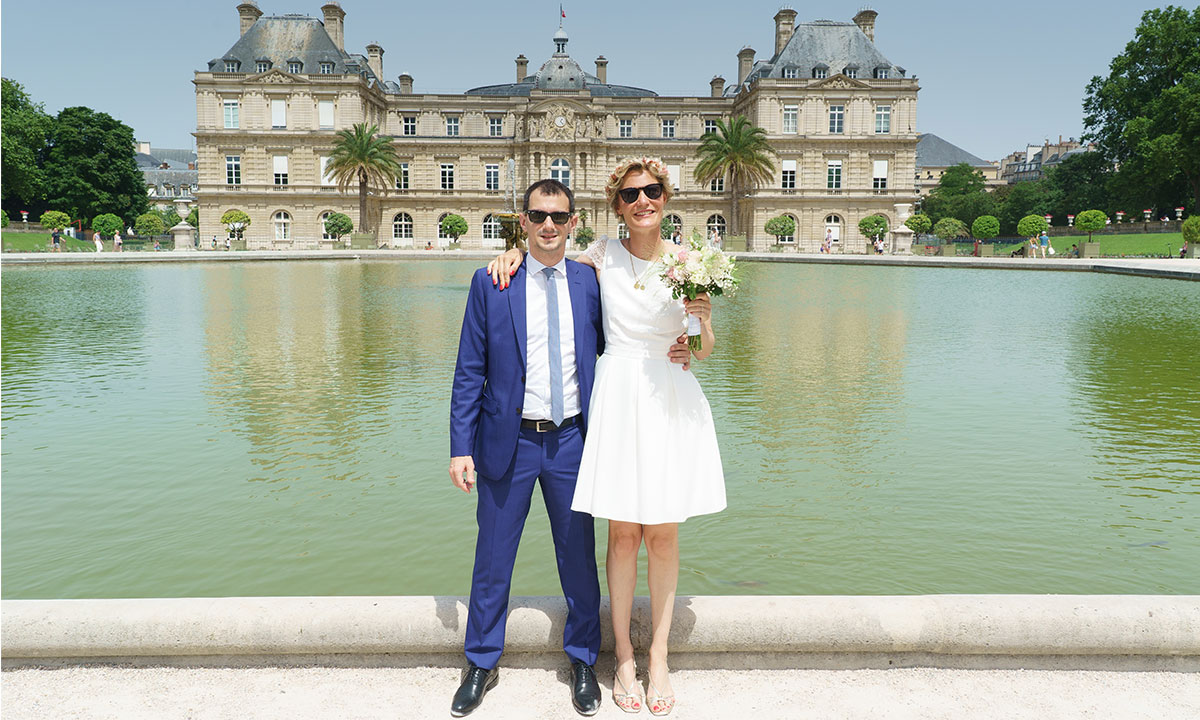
[(676, 221), (491, 227), (833, 227), (402, 226), (283, 226), (622, 231), (716, 222), (790, 238), (560, 170), (325, 216), (441, 233)]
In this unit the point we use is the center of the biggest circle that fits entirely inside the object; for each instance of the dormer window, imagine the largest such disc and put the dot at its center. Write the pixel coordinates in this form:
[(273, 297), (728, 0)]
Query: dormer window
[(262, 66), (791, 73), (231, 66), (851, 71), (326, 68), (820, 72), (881, 73), (295, 67)]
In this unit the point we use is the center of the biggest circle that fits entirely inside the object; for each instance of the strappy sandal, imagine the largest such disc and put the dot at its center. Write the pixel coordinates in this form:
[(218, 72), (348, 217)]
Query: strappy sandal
[(659, 704), (627, 701)]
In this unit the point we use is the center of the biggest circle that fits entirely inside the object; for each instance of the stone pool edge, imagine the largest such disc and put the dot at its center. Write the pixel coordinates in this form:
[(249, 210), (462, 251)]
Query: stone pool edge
[(973, 631)]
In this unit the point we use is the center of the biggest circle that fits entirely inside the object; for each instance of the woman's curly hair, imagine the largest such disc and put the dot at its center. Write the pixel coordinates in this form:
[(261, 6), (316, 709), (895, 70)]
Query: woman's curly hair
[(654, 166)]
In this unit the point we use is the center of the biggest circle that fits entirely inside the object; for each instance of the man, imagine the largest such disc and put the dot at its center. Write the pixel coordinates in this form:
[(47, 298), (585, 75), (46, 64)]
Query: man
[(56, 239), (522, 383), (1044, 243)]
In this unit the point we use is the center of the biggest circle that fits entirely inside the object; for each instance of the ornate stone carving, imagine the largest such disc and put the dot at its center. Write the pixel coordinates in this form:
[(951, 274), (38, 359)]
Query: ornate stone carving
[(560, 123)]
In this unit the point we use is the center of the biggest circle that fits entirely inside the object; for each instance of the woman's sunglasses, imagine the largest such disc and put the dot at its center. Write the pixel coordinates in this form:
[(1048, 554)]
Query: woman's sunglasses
[(537, 217), (630, 195)]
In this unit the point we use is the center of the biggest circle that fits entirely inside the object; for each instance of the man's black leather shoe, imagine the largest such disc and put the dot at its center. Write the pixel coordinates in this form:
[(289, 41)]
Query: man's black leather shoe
[(585, 691), (475, 683)]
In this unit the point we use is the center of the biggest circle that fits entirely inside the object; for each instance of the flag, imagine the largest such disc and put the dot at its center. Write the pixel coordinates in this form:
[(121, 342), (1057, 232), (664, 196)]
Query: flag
[(561, 12)]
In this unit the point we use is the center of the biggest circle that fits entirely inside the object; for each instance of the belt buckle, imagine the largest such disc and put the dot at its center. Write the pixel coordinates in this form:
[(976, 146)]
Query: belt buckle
[(549, 425)]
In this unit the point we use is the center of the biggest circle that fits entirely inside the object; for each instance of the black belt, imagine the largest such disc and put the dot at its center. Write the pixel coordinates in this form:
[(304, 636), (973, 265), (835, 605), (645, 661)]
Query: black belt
[(548, 425)]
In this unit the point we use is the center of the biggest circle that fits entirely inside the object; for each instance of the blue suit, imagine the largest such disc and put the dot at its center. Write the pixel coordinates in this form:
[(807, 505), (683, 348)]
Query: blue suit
[(485, 423)]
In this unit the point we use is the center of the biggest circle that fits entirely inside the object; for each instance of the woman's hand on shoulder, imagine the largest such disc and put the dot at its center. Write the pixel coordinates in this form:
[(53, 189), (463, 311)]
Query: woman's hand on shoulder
[(504, 266)]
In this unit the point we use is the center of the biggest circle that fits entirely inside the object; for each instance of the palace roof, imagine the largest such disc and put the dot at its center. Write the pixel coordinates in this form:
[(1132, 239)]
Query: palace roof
[(834, 46)]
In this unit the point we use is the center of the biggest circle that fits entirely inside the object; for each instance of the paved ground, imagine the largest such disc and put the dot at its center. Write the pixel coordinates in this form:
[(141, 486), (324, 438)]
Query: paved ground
[(339, 693)]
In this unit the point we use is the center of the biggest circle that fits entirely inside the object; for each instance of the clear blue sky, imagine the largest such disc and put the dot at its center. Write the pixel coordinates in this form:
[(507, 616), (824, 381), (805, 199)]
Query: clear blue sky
[(994, 75)]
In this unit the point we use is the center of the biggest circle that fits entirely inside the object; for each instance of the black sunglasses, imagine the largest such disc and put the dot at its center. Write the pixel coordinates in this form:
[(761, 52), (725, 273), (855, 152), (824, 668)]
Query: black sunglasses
[(630, 195), (537, 217)]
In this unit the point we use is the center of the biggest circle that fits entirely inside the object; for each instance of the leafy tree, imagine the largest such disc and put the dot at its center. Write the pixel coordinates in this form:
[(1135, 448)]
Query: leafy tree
[(361, 155), (169, 217), (55, 220), (454, 226), (107, 224), (738, 151), (90, 166), (666, 228), (919, 223), (1031, 225), (1025, 198), (193, 217), (584, 236), (3, 218), (950, 229), (873, 226), (24, 128), (781, 226), (1091, 221), (962, 179), (339, 224), (235, 221), (1146, 114), (985, 227), (1080, 181), (1191, 230), (961, 193), (149, 224)]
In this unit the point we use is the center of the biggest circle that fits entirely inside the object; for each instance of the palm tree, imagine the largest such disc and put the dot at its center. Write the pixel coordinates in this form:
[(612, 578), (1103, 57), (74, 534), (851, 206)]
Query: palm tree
[(737, 151), (362, 155)]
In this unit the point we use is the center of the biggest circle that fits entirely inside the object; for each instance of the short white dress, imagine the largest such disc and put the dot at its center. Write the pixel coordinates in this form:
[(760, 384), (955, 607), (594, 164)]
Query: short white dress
[(651, 454)]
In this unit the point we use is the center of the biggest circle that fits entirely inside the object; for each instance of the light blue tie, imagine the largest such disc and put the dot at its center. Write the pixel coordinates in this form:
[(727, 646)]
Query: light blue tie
[(556, 377)]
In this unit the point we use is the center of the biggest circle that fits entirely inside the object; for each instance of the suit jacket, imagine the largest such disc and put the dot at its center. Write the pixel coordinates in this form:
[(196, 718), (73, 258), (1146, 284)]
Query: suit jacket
[(489, 376)]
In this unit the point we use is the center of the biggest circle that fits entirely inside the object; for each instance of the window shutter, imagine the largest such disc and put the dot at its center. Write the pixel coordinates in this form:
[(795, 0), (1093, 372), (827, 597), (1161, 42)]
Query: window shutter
[(279, 113)]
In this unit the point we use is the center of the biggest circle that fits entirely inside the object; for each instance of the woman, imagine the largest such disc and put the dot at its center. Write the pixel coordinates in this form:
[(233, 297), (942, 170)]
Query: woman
[(650, 460)]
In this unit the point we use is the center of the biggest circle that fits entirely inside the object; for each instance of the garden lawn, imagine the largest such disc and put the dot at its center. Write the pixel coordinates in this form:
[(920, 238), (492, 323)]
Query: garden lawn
[(40, 242), (1130, 245)]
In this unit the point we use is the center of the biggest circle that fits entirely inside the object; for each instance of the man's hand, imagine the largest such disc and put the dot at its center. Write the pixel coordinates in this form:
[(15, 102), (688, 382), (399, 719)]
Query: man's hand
[(462, 472), (680, 353)]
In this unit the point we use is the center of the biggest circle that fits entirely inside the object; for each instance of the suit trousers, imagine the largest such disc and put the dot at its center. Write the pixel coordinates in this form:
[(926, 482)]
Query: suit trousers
[(503, 504)]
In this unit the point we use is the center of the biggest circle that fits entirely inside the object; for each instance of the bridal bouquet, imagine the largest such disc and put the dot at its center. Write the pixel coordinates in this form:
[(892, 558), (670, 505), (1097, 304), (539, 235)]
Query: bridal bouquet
[(697, 268)]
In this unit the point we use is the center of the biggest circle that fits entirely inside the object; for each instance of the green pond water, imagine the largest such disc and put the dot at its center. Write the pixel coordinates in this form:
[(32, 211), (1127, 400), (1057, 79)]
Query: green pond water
[(281, 429)]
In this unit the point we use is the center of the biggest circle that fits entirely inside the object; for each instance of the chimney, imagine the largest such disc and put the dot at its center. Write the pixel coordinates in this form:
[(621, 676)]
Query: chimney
[(406, 81), (718, 86), (143, 147), (785, 25), (865, 20), (191, 166), (335, 24), (375, 59), (522, 64), (602, 69), (745, 63), (248, 12)]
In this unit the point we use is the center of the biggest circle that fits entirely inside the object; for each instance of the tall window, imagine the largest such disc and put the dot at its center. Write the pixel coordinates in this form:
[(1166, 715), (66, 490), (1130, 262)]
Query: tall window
[(325, 114), (280, 163), (324, 233), (233, 169), (837, 116), (833, 175), (668, 128), (231, 66), (789, 175), (622, 231), (295, 67), (410, 124), (325, 179), (231, 113), (441, 232), (883, 119), (402, 226), (717, 184), (833, 227), (491, 177), (278, 113), (491, 228), (676, 222), (789, 238), (820, 71), (283, 226), (560, 170), (715, 222), (495, 126), (447, 177), (452, 127), (790, 114), (625, 127), (326, 68), (710, 126), (402, 177), (262, 66), (790, 73), (879, 174), (673, 174)]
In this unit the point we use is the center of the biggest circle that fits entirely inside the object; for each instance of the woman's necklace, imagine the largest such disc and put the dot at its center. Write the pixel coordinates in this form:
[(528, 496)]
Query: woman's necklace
[(637, 279)]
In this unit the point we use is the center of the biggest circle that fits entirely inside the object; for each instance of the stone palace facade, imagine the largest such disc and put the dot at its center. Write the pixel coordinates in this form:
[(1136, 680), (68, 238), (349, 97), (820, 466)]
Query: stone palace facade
[(839, 115)]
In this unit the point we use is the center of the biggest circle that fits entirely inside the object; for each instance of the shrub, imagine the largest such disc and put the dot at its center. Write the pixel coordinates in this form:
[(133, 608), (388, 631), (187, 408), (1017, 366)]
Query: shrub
[(951, 229), (454, 226), (985, 227), (873, 226), (55, 220), (1090, 221), (584, 236), (149, 224), (235, 217), (666, 228), (1031, 225), (339, 224), (107, 224), (3, 218), (193, 217), (920, 223), (781, 226), (1191, 230)]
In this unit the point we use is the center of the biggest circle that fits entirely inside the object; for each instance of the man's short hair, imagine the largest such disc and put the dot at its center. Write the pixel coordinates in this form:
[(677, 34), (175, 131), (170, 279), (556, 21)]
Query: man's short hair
[(550, 187)]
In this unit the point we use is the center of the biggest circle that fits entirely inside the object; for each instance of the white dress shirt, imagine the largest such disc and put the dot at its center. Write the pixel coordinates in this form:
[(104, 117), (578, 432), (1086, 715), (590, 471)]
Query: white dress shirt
[(536, 405)]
